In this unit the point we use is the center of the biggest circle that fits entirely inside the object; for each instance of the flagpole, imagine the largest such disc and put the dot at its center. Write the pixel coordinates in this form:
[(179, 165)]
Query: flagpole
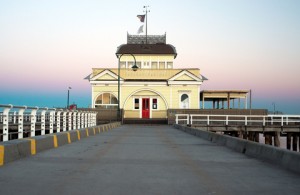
[(146, 22)]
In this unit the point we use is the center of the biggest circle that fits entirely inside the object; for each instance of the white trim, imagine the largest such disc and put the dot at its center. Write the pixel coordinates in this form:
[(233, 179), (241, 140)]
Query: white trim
[(146, 89), (184, 82), (115, 76), (185, 72), (107, 82), (189, 99)]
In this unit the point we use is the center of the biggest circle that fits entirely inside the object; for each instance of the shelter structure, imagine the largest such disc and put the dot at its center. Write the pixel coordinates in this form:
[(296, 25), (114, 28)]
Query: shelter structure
[(154, 88), (222, 96)]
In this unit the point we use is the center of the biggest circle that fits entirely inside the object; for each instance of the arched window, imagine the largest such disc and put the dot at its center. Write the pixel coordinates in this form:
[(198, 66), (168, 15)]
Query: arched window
[(106, 100), (184, 101)]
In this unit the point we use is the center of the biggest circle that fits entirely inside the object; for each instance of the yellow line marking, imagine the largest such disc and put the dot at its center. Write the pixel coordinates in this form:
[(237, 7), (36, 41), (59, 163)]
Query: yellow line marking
[(32, 146), (1, 155), (55, 144), (78, 134), (87, 132), (69, 137)]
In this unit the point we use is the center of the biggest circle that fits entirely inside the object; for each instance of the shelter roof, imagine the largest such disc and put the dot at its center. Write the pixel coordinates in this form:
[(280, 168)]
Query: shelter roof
[(211, 95), (147, 74), (158, 48)]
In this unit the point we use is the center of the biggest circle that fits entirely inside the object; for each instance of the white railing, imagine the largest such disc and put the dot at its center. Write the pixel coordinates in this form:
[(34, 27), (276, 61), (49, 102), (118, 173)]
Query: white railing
[(261, 120), (182, 117), (17, 121)]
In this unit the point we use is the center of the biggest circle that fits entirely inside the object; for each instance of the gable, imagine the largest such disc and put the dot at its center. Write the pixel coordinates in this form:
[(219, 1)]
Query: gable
[(184, 77), (106, 77)]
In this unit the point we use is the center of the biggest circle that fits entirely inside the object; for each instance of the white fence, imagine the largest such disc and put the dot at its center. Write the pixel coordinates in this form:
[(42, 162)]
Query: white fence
[(260, 120), (17, 121)]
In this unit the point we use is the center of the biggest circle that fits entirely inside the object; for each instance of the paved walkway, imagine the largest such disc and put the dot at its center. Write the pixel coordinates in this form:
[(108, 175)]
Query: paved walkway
[(136, 159)]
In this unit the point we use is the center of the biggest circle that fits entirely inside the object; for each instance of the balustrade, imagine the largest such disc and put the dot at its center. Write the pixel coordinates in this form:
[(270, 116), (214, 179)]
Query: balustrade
[(17, 122)]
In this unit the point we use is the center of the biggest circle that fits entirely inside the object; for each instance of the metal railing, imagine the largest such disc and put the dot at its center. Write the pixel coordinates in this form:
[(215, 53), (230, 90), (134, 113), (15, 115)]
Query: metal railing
[(245, 120), (17, 122)]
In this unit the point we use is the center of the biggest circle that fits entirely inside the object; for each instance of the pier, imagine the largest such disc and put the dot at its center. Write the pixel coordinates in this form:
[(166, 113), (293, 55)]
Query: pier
[(139, 159), (249, 126), (69, 153)]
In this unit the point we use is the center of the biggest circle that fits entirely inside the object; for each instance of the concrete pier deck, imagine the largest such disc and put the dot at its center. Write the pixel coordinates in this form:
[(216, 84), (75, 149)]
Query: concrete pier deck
[(137, 159)]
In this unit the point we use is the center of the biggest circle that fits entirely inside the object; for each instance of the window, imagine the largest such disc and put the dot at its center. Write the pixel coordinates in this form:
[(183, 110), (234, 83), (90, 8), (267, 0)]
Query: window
[(136, 103), (106, 100), (154, 103), (161, 65), (170, 65), (154, 65), (184, 101), (122, 65)]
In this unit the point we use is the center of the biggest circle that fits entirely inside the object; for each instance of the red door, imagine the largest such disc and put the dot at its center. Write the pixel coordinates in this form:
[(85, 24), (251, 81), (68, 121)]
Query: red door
[(145, 108)]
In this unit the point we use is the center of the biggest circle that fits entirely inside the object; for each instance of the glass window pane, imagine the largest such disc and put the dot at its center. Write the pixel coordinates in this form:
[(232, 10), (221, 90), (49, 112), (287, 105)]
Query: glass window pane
[(154, 65), (113, 100), (106, 98), (136, 103), (161, 65)]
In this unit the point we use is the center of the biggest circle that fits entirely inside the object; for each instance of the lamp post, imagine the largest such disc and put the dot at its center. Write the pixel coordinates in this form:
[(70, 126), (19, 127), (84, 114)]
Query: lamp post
[(273, 107), (68, 97), (134, 68)]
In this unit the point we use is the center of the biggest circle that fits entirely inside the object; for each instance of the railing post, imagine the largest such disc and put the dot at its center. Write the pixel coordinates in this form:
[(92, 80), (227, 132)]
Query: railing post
[(95, 118), (33, 121), (176, 119), (246, 120), (70, 121), (264, 121), (21, 122), (226, 120), (82, 119), (51, 121), (89, 119), (191, 119), (74, 120), (43, 123), (5, 123), (282, 120), (85, 120), (207, 119), (65, 120), (271, 120), (78, 119), (58, 121)]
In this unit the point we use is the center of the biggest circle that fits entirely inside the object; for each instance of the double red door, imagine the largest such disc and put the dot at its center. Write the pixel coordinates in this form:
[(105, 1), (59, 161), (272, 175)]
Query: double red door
[(146, 108)]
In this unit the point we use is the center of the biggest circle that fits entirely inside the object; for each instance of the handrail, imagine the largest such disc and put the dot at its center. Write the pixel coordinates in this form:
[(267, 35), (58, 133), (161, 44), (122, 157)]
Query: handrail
[(43, 118), (262, 120)]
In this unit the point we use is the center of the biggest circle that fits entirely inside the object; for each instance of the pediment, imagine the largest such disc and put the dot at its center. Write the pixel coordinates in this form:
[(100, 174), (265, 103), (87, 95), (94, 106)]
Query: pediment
[(184, 76), (105, 75)]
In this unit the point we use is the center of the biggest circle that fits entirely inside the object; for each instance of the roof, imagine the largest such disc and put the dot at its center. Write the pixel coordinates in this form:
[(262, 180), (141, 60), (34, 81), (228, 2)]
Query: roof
[(158, 48), (147, 74), (211, 95)]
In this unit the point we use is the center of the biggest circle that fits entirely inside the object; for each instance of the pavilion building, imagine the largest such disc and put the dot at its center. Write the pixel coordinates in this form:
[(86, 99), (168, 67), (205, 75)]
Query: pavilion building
[(154, 88)]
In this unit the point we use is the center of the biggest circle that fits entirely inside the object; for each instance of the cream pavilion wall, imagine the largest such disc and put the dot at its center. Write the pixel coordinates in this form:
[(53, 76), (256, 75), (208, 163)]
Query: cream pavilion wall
[(167, 97)]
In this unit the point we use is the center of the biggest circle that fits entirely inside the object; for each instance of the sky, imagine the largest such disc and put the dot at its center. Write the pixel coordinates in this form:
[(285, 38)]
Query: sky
[(47, 46)]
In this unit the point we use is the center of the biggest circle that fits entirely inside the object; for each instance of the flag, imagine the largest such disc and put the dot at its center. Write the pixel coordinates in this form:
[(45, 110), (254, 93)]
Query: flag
[(140, 30), (141, 17)]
